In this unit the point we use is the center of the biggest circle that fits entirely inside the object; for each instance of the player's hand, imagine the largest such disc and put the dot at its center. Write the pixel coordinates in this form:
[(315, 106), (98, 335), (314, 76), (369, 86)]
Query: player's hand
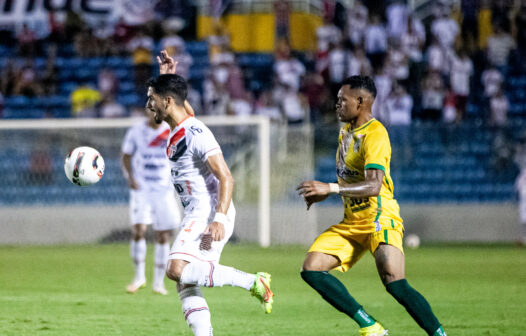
[(133, 184), (313, 192), (216, 230), (167, 65)]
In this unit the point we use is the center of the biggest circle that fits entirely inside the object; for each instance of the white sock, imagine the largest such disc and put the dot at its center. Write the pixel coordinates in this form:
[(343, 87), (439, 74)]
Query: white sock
[(215, 275), (161, 259), (196, 312), (138, 254)]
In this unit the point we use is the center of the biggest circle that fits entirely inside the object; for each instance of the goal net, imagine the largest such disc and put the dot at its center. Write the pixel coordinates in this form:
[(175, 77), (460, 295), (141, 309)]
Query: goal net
[(38, 205)]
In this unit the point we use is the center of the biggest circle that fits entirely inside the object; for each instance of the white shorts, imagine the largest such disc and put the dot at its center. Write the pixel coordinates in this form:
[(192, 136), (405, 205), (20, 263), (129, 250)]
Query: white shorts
[(161, 208), (186, 244)]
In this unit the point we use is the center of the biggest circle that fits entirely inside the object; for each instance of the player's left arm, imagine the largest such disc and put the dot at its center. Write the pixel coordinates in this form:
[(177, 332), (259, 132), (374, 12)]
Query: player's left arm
[(219, 168), (316, 191)]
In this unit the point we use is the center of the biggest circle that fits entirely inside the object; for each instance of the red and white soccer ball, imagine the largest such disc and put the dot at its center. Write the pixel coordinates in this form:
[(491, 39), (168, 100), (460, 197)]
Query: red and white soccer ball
[(84, 166)]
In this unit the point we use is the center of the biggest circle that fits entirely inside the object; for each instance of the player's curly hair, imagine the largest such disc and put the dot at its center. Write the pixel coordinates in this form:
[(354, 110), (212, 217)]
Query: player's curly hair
[(361, 82), (172, 85)]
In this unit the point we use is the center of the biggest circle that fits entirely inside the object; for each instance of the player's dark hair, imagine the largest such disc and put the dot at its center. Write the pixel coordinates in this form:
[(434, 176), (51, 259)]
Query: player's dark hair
[(361, 82), (170, 85)]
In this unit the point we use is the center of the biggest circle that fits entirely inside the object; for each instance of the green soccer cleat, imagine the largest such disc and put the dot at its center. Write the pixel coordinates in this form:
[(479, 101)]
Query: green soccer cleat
[(375, 330), (261, 290)]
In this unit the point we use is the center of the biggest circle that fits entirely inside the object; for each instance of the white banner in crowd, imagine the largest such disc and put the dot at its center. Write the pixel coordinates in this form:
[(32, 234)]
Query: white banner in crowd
[(35, 13)]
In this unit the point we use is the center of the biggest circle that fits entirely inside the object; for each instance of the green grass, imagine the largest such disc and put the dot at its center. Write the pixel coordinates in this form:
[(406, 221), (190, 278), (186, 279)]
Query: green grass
[(79, 290)]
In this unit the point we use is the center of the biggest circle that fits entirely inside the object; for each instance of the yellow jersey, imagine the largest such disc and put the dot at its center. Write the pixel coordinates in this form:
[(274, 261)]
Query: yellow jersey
[(367, 147)]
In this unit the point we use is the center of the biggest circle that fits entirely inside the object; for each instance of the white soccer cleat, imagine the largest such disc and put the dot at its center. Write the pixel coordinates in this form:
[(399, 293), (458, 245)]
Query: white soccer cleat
[(135, 286), (160, 290)]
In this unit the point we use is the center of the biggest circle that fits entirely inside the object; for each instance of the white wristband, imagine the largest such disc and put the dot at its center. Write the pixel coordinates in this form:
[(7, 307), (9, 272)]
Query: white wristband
[(334, 188), (220, 218)]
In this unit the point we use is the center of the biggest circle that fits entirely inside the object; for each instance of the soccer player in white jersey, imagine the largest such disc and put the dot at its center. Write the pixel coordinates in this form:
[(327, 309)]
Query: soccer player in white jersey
[(152, 198), (204, 183)]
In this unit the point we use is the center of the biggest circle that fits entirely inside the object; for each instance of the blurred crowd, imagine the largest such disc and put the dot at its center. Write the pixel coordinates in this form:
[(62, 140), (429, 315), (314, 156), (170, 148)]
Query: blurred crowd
[(427, 70)]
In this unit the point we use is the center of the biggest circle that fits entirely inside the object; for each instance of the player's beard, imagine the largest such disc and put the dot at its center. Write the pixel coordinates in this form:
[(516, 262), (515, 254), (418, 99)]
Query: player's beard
[(159, 116)]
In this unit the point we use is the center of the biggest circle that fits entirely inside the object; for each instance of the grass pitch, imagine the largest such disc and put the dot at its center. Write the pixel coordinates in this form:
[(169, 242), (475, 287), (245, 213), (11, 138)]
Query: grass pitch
[(79, 290)]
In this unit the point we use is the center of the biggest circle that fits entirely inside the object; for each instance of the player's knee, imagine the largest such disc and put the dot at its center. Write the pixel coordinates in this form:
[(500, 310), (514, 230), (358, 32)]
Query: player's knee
[(162, 237), (175, 269), (138, 232)]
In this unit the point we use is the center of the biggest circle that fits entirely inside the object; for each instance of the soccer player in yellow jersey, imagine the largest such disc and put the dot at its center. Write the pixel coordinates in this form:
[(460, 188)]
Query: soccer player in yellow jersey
[(371, 221)]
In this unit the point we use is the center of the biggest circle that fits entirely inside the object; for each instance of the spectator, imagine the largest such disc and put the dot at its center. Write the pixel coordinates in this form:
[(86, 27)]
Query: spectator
[(338, 60), (326, 35), (359, 64), (175, 47), (122, 34), (445, 30), (288, 68), (499, 107), (384, 85), (357, 16), (375, 41), (397, 18), (433, 93), (107, 83), (413, 39), (438, 58), (282, 9), (266, 106), (26, 42), (103, 34), (218, 39), (141, 47), (319, 97), (461, 72), (84, 100), (500, 44), (172, 42), (397, 63), (292, 103), (492, 81), (399, 105), (28, 84), (110, 108)]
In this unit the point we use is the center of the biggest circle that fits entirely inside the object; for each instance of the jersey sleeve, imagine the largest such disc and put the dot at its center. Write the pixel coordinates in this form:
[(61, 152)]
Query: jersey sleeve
[(205, 144), (129, 146), (377, 150)]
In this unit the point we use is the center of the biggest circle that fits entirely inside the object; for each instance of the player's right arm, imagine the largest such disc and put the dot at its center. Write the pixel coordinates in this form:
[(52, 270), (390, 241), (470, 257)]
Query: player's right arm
[(167, 65), (219, 168), (127, 170)]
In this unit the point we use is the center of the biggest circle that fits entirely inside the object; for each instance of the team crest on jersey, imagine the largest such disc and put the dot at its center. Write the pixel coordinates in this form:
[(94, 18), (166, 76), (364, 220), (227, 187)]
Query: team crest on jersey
[(358, 138), (177, 146)]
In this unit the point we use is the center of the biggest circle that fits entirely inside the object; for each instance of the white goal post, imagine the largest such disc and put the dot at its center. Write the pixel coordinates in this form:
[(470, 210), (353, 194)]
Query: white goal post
[(261, 122)]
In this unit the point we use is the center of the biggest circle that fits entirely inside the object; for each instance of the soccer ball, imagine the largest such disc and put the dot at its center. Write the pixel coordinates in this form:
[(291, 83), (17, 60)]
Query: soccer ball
[(412, 241), (84, 166)]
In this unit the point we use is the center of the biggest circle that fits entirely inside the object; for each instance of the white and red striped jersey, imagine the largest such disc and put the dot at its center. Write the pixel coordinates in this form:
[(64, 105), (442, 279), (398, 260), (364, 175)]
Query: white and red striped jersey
[(191, 144), (146, 145)]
